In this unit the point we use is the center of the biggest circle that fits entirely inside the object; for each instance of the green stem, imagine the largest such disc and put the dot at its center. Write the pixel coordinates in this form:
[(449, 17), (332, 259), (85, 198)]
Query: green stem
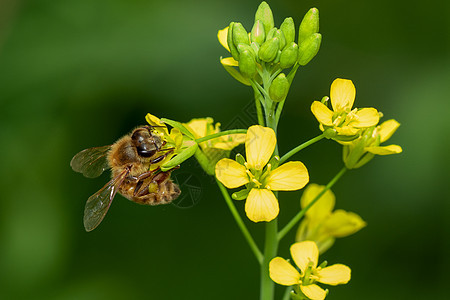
[(222, 133), (300, 147), (297, 217), (238, 219), (270, 250), (287, 293)]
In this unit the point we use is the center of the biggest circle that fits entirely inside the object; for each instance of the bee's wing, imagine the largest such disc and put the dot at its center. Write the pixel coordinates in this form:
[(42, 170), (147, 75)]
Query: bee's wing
[(91, 162), (98, 204)]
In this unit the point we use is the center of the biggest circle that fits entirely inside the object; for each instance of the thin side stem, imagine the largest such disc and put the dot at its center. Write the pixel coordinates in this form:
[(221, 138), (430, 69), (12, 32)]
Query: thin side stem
[(218, 134), (300, 147), (238, 219), (287, 293), (297, 217)]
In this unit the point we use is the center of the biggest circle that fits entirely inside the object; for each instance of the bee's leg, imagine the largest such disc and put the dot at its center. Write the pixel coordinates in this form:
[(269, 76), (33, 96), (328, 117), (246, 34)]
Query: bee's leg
[(160, 158), (158, 179)]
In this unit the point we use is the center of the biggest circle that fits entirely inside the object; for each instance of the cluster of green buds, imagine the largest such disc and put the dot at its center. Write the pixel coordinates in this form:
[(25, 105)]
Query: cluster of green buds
[(267, 47)]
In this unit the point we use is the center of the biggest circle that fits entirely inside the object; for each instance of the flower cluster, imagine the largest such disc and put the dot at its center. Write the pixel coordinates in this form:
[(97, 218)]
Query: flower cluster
[(356, 129), (261, 175)]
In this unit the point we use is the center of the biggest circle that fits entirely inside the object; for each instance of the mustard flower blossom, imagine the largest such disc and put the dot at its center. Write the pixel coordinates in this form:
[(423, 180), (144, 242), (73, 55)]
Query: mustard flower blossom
[(306, 256), (323, 225), (260, 176), (344, 120), (360, 151)]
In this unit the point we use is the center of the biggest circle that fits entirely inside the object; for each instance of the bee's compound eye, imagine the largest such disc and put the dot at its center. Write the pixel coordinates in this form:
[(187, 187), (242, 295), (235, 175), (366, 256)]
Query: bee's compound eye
[(142, 151)]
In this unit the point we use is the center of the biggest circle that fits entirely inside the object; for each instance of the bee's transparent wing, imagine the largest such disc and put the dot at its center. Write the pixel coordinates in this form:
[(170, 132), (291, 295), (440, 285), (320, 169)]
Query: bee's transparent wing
[(98, 204), (91, 162)]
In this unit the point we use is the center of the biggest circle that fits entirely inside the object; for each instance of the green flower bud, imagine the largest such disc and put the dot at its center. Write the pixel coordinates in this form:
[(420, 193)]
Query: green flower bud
[(279, 34), (289, 55), (258, 35), (277, 58), (241, 195), (181, 157), (243, 47), (354, 155), (288, 29), (233, 49), (269, 50), (264, 13), (279, 88), (309, 48), (240, 35), (240, 159), (309, 25), (271, 33), (247, 64)]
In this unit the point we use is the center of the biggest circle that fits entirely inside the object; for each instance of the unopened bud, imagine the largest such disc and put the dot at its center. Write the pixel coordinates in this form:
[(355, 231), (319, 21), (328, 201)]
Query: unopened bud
[(240, 35), (258, 35), (288, 29), (269, 50), (271, 33), (309, 25), (280, 35), (264, 13), (309, 48), (241, 195), (289, 56), (243, 47), (233, 50), (279, 88), (247, 64)]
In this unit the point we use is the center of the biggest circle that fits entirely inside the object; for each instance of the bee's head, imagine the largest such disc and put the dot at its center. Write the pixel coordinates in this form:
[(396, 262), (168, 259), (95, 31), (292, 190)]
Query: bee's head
[(146, 143)]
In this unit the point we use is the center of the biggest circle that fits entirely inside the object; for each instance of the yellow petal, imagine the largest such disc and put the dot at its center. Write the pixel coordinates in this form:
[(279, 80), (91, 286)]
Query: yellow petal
[(231, 173), (283, 272), (334, 275), (322, 208), (347, 130), (259, 145), (261, 205), (155, 121), (222, 37), (313, 292), (228, 142), (229, 61), (199, 127), (342, 95), (387, 129), (366, 117), (342, 223), (290, 176), (384, 150), (322, 113), (303, 253)]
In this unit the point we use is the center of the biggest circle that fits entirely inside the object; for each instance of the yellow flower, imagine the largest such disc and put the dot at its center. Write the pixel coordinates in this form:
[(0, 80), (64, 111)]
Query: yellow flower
[(205, 126), (229, 62), (306, 256), (360, 151), (323, 225), (344, 120), (260, 176)]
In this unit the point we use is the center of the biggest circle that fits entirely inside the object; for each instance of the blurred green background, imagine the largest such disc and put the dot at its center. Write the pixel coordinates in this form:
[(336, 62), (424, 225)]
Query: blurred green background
[(77, 73)]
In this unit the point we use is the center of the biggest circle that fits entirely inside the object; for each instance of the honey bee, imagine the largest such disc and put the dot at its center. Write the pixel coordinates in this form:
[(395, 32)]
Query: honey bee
[(129, 159)]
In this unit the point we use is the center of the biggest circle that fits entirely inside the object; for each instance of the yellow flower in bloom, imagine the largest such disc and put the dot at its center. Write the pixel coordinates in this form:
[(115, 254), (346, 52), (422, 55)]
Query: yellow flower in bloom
[(260, 176), (343, 119), (360, 151), (306, 256), (229, 62), (205, 126), (323, 225)]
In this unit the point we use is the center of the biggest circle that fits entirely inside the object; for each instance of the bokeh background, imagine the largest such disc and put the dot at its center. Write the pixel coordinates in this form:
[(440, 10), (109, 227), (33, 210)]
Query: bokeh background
[(78, 73)]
